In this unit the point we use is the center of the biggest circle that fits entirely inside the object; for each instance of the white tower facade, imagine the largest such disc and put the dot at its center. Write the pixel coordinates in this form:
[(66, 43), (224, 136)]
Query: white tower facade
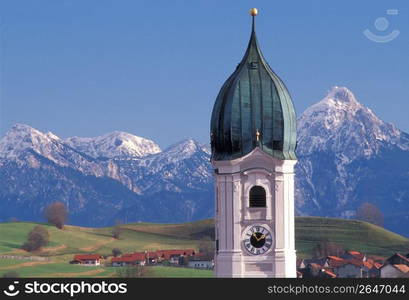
[(253, 138), (255, 241)]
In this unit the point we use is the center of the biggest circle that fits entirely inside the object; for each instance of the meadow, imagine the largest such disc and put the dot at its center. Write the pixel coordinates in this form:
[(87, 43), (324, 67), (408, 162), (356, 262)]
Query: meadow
[(136, 237)]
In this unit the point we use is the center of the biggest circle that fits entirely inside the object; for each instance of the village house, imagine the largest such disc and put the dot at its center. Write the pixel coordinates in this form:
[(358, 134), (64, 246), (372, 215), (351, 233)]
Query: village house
[(175, 257), (398, 259), (396, 266), (152, 257), (374, 268), (303, 263), (394, 271), (351, 264), (87, 259), (350, 268), (311, 270), (172, 256), (131, 259), (201, 262)]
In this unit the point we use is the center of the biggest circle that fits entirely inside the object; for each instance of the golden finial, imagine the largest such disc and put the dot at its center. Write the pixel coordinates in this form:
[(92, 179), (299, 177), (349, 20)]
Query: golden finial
[(258, 134), (253, 12)]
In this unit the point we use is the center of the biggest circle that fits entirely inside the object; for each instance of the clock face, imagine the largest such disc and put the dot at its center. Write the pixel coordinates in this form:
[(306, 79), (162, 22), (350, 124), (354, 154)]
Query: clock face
[(257, 240)]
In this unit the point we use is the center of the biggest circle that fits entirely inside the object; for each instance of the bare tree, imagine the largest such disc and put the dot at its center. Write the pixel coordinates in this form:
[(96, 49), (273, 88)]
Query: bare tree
[(327, 248), (183, 260), (37, 238), (207, 247), (116, 252), (370, 213), (56, 213), (117, 230)]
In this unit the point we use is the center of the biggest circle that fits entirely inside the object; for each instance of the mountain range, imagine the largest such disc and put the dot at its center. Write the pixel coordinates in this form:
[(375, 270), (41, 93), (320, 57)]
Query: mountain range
[(346, 156), (117, 176)]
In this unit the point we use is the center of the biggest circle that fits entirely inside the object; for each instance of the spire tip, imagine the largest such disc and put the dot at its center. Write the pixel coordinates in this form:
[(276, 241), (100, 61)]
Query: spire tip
[(253, 12)]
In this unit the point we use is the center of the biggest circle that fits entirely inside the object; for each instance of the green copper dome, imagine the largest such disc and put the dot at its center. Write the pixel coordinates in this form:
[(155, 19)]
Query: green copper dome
[(253, 109)]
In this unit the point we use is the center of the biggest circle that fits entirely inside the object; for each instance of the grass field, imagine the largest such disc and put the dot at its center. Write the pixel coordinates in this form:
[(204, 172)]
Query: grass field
[(350, 234), (72, 240), (172, 272)]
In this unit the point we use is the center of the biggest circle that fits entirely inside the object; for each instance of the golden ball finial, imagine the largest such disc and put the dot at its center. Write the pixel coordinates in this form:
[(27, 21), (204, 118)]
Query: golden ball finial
[(253, 12)]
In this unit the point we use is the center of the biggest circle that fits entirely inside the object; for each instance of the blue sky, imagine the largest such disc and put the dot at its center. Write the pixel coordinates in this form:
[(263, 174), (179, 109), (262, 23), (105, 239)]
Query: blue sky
[(154, 68)]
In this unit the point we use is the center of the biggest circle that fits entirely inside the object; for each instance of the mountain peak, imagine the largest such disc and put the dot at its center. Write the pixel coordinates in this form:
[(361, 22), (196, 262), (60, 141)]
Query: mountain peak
[(339, 99), (22, 128), (341, 124), (186, 146), (22, 137), (342, 94), (116, 144)]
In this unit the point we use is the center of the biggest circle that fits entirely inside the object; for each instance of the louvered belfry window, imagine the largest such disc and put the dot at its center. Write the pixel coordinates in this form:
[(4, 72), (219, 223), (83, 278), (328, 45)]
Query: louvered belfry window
[(257, 196)]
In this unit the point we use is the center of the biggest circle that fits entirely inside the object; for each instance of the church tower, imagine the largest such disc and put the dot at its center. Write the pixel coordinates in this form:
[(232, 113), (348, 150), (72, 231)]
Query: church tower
[(253, 139)]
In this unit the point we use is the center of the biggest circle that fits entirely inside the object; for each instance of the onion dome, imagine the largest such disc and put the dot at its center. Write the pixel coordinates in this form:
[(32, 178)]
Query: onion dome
[(253, 109)]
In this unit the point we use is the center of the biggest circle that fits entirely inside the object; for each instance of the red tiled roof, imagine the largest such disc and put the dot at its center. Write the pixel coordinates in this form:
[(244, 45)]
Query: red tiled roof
[(403, 268), (368, 264), (335, 258), (356, 254), (87, 257), (153, 254), (166, 254), (129, 257), (340, 263), (329, 273), (127, 254)]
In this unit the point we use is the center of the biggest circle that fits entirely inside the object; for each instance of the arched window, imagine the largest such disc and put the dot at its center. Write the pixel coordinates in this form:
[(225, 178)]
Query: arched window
[(257, 196)]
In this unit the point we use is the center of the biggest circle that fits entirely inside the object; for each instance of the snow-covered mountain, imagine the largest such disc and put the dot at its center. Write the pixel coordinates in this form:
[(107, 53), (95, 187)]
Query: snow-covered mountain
[(177, 182), (339, 123), (23, 144), (116, 144), (347, 156), (115, 172)]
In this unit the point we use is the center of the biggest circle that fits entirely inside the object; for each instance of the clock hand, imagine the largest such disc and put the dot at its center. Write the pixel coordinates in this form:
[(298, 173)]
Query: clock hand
[(261, 237)]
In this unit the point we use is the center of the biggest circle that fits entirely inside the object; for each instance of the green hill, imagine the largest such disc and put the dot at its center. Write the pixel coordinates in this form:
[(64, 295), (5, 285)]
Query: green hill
[(72, 240)]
